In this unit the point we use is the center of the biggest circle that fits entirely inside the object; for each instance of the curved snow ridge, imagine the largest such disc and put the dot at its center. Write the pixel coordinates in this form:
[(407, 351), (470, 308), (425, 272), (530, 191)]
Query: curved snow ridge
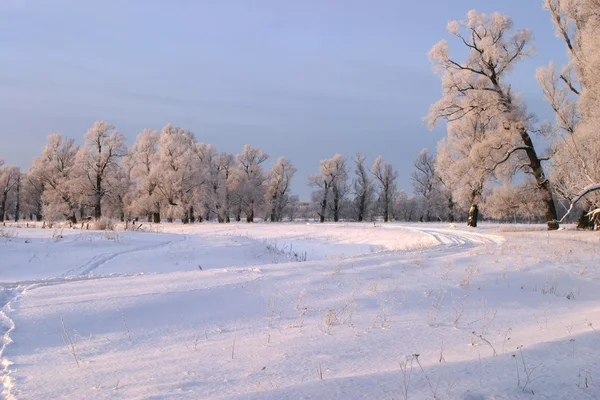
[(7, 325), (102, 259), (458, 238)]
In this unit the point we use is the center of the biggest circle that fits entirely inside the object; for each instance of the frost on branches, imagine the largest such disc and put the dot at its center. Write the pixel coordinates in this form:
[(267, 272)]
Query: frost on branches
[(477, 85), (574, 94), (162, 175)]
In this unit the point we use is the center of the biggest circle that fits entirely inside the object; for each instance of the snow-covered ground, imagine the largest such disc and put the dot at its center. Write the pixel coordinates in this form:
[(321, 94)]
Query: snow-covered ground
[(300, 311)]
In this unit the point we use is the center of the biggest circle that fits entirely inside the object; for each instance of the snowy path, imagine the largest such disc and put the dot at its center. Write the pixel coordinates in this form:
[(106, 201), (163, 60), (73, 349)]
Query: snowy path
[(215, 311)]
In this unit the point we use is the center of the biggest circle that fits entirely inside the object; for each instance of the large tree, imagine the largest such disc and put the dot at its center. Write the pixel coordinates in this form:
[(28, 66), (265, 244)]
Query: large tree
[(97, 164), (142, 160), (175, 171), (9, 179), (55, 171), (463, 163), (251, 179), (479, 83), (574, 94), (278, 187)]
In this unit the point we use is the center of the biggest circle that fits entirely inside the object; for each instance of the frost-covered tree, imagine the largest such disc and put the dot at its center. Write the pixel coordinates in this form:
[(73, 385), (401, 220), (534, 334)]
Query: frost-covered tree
[(97, 165), (209, 192), (9, 179), (514, 202), (175, 172), (278, 188), (55, 172), (142, 161), (426, 184), (386, 186), (363, 188), (31, 196), (574, 94), (406, 208), (226, 166), (331, 180), (479, 83), (251, 183), (463, 161)]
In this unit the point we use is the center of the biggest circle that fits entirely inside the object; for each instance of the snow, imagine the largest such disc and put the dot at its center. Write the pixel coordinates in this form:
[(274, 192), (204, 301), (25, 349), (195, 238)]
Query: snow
[(300, 311)]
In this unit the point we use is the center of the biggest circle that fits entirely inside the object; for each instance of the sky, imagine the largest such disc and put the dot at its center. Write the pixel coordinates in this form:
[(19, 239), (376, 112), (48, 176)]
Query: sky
[(300, 79)]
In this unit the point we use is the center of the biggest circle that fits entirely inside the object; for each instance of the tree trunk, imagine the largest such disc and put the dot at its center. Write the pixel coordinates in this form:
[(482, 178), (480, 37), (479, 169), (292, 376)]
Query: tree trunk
[(226, 204), (97, 205), (18, 194), (473, 216), (386, 206), (3, 206), (585, 221), (535, 163), (156, 217), (336, 204), (361, 208), (274, 208), (324, 204), (450, 209), (542, 182)]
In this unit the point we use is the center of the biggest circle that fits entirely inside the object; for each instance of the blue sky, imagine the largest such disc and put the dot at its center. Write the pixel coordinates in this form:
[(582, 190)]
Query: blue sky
[(301, 79)]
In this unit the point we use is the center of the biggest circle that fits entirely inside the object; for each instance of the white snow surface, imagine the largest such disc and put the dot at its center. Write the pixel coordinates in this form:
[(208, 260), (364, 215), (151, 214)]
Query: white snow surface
[(300, 311)]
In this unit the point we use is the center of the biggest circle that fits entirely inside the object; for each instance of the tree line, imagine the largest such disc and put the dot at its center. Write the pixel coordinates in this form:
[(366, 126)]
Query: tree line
[(490, 141), (167, 175), (171, 176)]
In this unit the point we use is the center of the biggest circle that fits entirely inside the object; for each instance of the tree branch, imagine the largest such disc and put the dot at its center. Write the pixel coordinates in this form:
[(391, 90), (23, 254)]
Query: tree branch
[(586, 190)]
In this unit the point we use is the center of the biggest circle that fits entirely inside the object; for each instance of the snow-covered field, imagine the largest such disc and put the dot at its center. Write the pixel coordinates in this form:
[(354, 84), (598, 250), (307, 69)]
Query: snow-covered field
[(300, 311)]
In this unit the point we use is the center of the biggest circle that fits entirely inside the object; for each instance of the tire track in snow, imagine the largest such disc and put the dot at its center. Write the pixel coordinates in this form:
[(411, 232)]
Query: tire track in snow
[(102, 259), (10, 292), (449, 241)]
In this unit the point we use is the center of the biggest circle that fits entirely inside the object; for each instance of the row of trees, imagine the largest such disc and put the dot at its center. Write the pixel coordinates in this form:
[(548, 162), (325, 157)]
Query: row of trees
[(369, 194), (490, 131), (171, 175), (163, 175), (489, 142)]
